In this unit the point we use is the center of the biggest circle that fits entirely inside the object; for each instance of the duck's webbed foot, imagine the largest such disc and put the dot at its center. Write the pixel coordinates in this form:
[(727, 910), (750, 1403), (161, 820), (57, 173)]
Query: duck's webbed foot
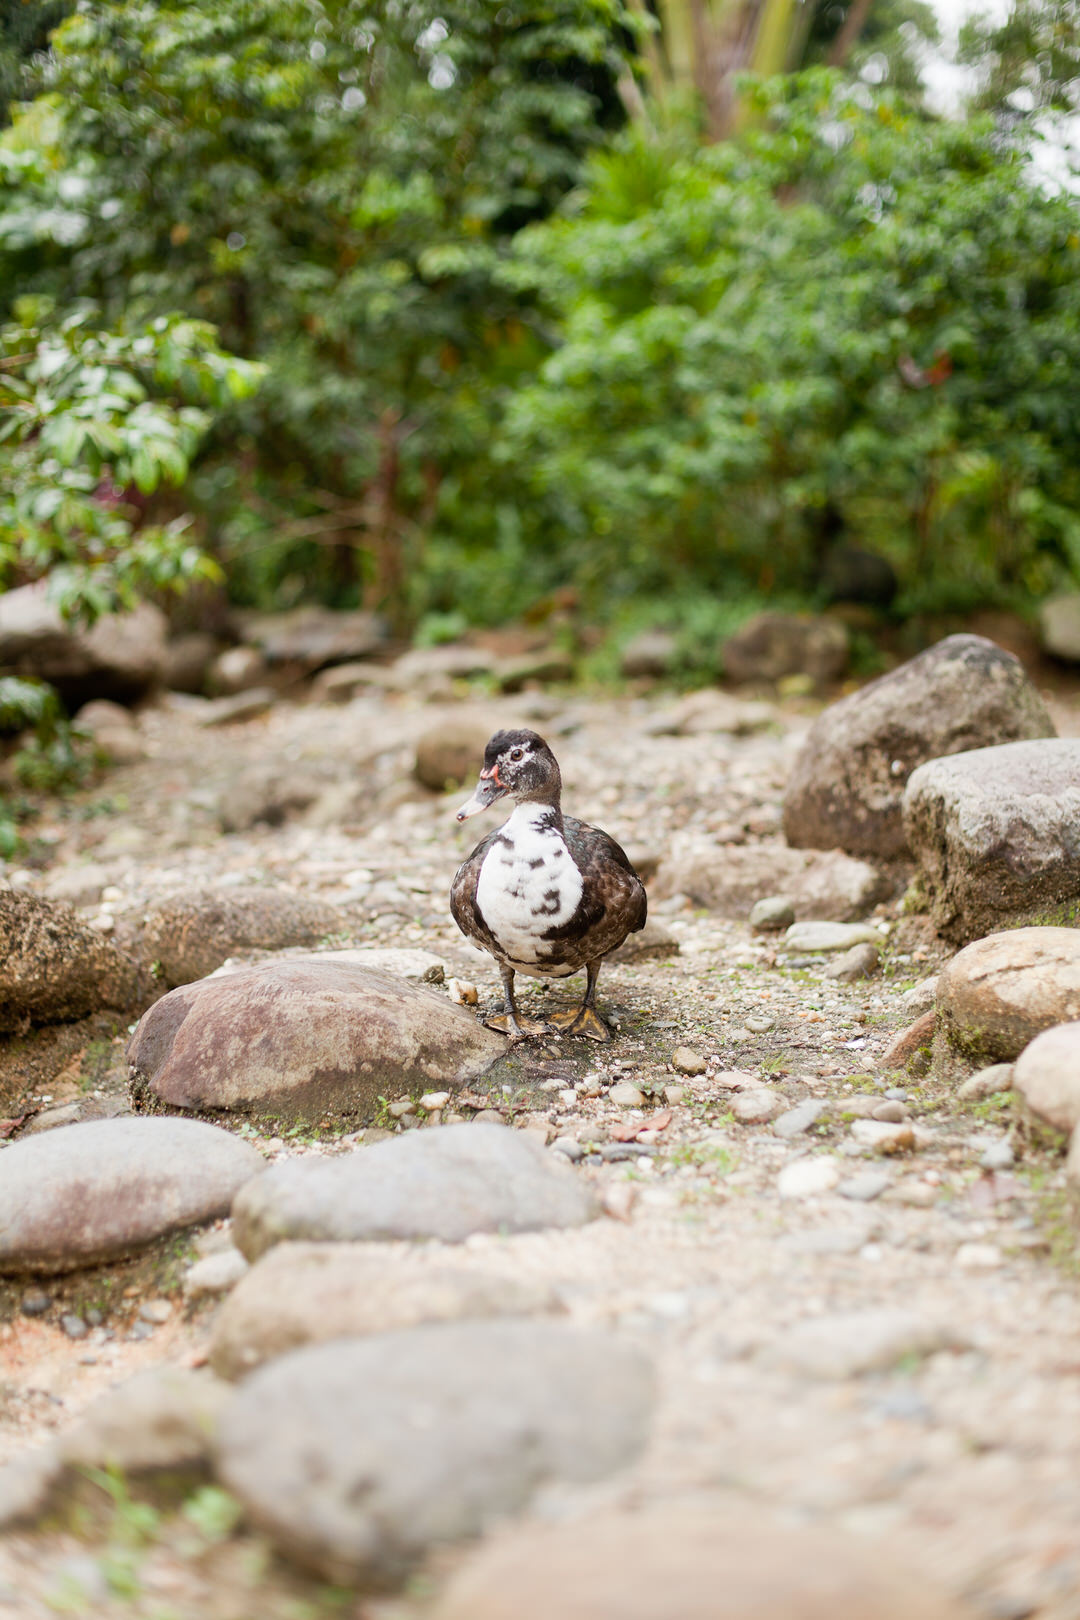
[(511, 1023), (580, 1021)]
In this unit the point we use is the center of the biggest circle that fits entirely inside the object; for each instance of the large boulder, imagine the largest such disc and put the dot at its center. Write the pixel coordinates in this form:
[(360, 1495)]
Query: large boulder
[(304, 1038), (447, 1183), (191, 935), (305, 1293), (997, 836), (847, 783), (451, 754), (87, 1193), (55, 967), (122, 656), (997, 994), (731, 879), (705, 1560), (772, 645), (312, 637), (359, 1456)]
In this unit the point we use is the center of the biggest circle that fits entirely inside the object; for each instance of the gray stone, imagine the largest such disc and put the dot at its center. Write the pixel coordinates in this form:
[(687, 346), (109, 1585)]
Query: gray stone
[(27, 1486), (998, 993), (798, 1119), (187, 661), (881, 1137), (267, 794), (74, 1327), (112, 730), (1047, 1076), (712, 1558), (848, 780), (829, 936), (772, 645), (214, 1274), (569, 1148), (358, 1456), (306, 1293), (190, 936), (543, 666), (772, 915), (35, 1302), (860, 962), (864, 1186), (997, 836), (711, 713), (313, 636), (162, 1419), (446, 1184), (651, 653), (450, 754), (121, 656), (998, 1077), (1059, 626), (91, 1192), (998, 1156), (405, 962), (684, 1060), (237, 669), (730, 879), (921, 998), (230, 711), (54, 967), (846, 1344), (77, 885), (307, 1037), (756, 1107), (654, 942), (426, 667), (624, 1094)]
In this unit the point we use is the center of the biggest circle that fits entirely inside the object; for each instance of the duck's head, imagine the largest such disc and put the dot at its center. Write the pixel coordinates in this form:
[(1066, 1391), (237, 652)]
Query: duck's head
[(518, 765)]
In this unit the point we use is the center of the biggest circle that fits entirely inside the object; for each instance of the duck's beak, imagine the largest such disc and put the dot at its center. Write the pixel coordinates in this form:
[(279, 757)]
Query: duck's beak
[(488, 790)]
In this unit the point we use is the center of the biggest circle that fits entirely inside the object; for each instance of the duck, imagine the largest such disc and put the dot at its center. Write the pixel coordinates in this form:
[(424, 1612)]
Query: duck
[(545, 894)]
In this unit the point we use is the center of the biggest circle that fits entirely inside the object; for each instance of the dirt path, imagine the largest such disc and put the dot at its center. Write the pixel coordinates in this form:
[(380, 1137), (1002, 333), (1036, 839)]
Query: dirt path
[(959, 1446)]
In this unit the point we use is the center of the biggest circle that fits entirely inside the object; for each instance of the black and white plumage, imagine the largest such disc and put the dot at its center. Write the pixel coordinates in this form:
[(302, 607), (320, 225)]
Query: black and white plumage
[(545, 893)]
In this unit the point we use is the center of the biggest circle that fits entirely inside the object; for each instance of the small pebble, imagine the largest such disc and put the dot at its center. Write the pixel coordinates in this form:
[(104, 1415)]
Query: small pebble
[(684, 1060), (998, 1156), (882, 1137), (569, 1148), (772, 915), (760, 1023), (863, 1186), (626, 1095), (978, 1256), (896, 1094), (155, 1310), (141, 1330), (799, 1119), (35, 1302), (403, 1106), (889, 1113), (806, 1178), (488, 1116), (672, 1095), (431, 1100), (74, 1327), (998, 1077), (215, 1274), (94, 1318), (756, 1107), (568, 1098), (861, 962)]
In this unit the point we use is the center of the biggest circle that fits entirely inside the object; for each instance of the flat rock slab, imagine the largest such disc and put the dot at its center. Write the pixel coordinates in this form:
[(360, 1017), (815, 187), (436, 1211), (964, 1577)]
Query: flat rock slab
[(445, 1183), (87, 1193), (998, 993), (189, 937), (707, 1560), (54, 967), (847, 783), (1047, 1076), (846, 1344), (997, 836), (359, 1456), (305, 1293), (730, 879), (306, 1038), (829, 936)]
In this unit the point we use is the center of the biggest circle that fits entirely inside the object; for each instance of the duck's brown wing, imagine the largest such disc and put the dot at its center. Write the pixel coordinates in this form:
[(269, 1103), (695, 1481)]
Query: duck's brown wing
[(613, 899), (463, 907)]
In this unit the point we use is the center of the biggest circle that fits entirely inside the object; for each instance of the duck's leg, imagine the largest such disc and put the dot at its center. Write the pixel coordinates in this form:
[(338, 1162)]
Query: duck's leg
[(584, 1020), (509, 1022)]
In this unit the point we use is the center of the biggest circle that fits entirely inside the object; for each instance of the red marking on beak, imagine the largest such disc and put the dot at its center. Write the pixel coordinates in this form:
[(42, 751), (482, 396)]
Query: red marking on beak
[(493, 776)]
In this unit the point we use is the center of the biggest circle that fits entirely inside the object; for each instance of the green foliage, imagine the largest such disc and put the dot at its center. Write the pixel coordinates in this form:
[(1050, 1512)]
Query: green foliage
[(24, 35), (1030, 62), (853, 315)]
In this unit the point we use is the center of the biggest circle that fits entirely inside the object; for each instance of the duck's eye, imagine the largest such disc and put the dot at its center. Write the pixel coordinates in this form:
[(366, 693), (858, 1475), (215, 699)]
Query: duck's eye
[(516, 754)]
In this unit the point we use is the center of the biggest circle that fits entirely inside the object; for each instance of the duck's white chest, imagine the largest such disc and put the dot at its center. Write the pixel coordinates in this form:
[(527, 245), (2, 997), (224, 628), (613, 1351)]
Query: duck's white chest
[(528, 884)]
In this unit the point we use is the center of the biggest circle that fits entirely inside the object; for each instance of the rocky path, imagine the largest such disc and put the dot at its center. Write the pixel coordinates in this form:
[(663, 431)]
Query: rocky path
[(857, 1291)]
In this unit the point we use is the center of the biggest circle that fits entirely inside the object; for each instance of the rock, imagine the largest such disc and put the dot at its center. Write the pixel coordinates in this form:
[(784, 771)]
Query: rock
[(772, 645), (847, 783), (450, 755), (314, 636), (997, 994), (191, 935), (997, 836), (305, 1293), (267, 795), (921, 998), (846, 1344), (910, 1041), (1059, 626), (55, 967), (74, 1327), (434, 1101), (736, 1080), (340, 682), (807, 1178), (709, 1559), (159, 1420), (95, 1191), (228, 711), (998, 1156), (237, 669), (998, 1077), (711, 713), (469, 1422), (404, 962), (569, 1148), (772, 915), (121, 656), (77, 885), (757, 1107), (798, 1119), (112, 731), (1047, 1076), (51, 1118), (852, 574), (215, 1274), (304, 1038), (651, 654), (684, 1060), (446, 1184), (187, 661), (542, 667), (27, 1486), (1072, 1163), (806, 938), (624, 1094), (730, 879), (861, 962), (35, 1302), (864, 1187), (979, 1256), (463, 993), (881, 1137), (654, 942)]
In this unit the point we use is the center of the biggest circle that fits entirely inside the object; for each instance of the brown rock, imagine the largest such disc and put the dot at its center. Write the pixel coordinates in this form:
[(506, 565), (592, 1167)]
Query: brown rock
[(311, 637), (1047, 1076), (303, 1038), (121, 656), (162, 1419), (706, 1560), (998, 993), (654, 942), (772, 645), (54, 967), (731, 879), (192, 935), (861, 962), (848, 780), (903, 1047), (450, 755), (304, 1293)]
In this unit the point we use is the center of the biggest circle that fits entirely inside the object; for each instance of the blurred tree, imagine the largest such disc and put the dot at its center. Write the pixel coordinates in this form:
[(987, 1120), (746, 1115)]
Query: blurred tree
[(24, 33), (1031, 61)]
